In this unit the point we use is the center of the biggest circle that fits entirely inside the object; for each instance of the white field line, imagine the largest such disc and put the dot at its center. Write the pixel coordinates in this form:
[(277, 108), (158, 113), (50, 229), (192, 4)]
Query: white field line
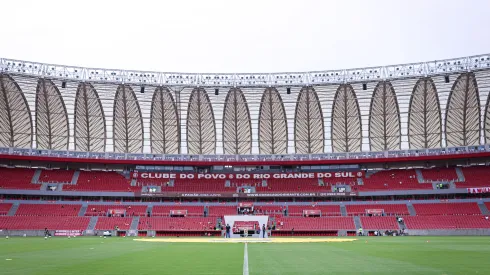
[(245, 261)]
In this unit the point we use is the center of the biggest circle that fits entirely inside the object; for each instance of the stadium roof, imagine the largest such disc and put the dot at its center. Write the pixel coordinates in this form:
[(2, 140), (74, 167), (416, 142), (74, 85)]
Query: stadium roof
[(411, 106)]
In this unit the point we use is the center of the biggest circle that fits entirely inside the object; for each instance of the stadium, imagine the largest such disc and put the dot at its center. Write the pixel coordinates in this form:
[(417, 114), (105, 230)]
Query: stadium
[(356, 169)]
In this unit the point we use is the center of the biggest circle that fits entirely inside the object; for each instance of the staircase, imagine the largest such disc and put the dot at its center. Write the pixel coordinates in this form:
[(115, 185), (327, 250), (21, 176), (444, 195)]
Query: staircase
[(360, 181), (126, 174), (271, 223), (357, 222), (320, 182), (370, 173), (460, 174), (135, 223), (13, 209), (83, 210), (35, 177), (264, 183), (74, 179), (483, 208), (133, 182), (92, 223), (401, 225), (452, 185), (43, 187), (150, 209), (420, 177), (411, 209), (335, 188), (145, 188), (343, 211)]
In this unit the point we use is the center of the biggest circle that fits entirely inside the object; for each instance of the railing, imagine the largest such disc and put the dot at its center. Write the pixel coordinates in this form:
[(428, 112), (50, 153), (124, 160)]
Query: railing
[(454, 65), (245, 158)]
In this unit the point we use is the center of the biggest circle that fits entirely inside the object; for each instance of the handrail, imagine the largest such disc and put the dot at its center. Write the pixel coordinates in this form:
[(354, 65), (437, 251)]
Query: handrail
[(77, 73)]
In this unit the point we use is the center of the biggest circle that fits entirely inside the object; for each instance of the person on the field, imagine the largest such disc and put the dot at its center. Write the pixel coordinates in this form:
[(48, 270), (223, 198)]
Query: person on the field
[(227, 231), (263, 231)]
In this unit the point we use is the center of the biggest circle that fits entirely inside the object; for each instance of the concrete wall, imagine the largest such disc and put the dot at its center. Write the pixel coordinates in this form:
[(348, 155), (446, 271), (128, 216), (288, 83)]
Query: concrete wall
[(29, 233), (453, 232)]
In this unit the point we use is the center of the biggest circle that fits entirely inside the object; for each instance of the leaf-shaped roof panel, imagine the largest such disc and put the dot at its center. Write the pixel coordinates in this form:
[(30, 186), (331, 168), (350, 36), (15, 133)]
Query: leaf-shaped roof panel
[(201, 127), (15, 116), (487, 121), (424, 117), (308, 124), (346, 121), (90, 127), (51, 117), (384, 120), (463, 112), (128, 124), (165, 126), (273, 130), (237, 129)]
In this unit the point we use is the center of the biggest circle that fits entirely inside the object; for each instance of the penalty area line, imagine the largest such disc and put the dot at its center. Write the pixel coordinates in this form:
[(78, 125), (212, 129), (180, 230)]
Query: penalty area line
[(245, 260)]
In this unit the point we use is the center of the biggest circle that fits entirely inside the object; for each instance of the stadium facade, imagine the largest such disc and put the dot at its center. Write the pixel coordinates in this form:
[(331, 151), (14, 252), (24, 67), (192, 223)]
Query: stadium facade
[(87, 151), (428, 105)]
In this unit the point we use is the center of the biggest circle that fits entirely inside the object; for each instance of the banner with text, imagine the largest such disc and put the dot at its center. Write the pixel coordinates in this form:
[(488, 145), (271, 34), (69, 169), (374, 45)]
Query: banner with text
[(308, 213), (68, 233), (247, 176), (245, 195), (478, 190)]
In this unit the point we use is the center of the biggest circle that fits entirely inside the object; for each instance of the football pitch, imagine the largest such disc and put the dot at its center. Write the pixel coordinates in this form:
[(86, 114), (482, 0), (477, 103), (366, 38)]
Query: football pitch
[(366, 255)]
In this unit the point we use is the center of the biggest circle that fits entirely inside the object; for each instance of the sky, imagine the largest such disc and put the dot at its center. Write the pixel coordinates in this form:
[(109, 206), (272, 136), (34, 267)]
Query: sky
[(242, 36)]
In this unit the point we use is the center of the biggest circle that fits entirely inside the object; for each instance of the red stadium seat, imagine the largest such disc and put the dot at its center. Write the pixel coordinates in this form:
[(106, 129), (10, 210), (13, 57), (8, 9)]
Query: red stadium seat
[(17, 178), (56, 176), (4, 208), (326, 210), (48, 210), (388, 209), (39, 223), (129, 210), (440, 174), (106, 223), (177, 224), (315, 224), (427, 209), (393, 180), (164, 210), (446, 222), (477, 176), (101, 181), (379, 223), (220, 211)]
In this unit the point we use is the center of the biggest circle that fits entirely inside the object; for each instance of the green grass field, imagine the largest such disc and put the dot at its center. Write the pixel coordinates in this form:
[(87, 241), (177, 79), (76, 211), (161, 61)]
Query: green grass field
[(380, 255)]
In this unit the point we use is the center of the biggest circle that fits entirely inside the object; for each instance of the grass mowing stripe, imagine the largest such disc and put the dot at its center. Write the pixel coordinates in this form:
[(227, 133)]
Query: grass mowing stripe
[(117, 256), (370, 255), (382, 255)]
